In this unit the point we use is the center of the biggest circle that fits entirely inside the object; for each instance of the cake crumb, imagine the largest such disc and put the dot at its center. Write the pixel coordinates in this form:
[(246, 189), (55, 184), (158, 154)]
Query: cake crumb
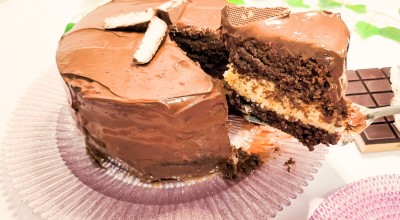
[(289, 164), (241, 164)]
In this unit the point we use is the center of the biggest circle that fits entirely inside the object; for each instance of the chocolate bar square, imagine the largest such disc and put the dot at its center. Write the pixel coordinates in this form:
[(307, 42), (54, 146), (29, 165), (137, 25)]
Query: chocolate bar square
[(352, 76)]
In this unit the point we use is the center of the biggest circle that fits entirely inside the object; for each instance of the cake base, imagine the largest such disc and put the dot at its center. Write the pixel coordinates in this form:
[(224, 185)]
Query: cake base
[(186, 170), (306, 134)]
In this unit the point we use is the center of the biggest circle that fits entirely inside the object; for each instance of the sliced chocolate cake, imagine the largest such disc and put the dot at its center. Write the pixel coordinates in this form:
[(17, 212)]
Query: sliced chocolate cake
[(288, 70), (142, 103)]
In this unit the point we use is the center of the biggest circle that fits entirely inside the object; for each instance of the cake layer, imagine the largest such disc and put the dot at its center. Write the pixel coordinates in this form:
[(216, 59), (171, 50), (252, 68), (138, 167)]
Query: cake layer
[(206, 48), (197, 32), (163, 120), (307, 134), (265, 94)]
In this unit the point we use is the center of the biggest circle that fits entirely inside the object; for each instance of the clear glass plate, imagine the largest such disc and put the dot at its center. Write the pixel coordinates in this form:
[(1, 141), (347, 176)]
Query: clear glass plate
[(376, 197), (47, 162)]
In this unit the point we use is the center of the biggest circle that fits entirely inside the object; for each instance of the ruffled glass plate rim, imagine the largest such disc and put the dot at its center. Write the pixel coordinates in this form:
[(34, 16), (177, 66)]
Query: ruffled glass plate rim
[(49, 167), (375, 197)]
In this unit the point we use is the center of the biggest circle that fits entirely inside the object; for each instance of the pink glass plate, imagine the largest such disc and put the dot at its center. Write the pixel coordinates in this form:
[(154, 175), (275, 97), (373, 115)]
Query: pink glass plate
[(375, 197), (47, 162)]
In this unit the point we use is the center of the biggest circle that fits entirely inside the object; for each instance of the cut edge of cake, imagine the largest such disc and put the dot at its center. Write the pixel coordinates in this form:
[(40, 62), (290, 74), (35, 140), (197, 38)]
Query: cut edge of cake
[(298, 98)]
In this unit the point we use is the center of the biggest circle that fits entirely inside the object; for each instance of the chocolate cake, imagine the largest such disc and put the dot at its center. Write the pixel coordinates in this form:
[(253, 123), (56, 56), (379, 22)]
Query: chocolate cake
[(138, 79), (159, 115), (287, 70)]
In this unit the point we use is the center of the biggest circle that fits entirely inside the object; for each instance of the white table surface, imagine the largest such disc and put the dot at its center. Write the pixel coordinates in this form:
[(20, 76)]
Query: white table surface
[(29, 36)]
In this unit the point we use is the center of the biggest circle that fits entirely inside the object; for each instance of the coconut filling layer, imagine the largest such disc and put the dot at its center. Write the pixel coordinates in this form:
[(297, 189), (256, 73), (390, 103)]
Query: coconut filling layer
[(259, 92)]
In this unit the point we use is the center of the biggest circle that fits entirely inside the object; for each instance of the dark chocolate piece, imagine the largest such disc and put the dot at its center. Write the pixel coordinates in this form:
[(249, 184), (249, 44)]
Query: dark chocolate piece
[(379, 132), (352, 75), (383, 99), (375, 92), (378, 85), (363, 99), (356, 87), (371, 73)]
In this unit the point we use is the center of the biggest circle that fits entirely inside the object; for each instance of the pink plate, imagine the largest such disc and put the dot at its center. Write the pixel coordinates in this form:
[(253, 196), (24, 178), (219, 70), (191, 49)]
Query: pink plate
[(47, 162), (376, 197)]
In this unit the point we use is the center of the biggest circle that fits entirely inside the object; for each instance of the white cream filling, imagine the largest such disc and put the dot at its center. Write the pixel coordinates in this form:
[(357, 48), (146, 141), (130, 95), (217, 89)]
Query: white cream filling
[(256, 90)]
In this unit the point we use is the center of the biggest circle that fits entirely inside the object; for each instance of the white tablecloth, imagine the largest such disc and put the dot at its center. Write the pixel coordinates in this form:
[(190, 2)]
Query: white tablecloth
[(29, 36)]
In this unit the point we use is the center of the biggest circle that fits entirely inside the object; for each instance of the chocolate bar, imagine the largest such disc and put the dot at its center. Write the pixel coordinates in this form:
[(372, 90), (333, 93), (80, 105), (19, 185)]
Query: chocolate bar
[(371, 88)]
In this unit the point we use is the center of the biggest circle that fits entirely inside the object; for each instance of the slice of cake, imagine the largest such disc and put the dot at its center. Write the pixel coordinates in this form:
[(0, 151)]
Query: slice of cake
[(160, 118), (288, 70)]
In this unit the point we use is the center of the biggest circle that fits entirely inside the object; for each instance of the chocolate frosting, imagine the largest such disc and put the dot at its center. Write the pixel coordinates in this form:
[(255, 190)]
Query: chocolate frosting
[(107, 59), (162, 120), (202, 14), (299, 31), (316, 35)]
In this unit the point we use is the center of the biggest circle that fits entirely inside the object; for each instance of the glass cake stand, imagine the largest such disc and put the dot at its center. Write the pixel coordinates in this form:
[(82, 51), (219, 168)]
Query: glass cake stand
[(46, 160)]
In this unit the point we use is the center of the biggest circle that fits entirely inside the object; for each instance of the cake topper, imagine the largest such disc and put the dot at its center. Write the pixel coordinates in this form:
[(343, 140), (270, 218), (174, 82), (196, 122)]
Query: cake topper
[(136, 21), (155, 27), (154, 36)]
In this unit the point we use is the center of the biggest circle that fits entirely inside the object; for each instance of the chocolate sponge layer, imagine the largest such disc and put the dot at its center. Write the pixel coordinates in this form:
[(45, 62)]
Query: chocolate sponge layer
[(306, 134), (295, 77), (205, 47)]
